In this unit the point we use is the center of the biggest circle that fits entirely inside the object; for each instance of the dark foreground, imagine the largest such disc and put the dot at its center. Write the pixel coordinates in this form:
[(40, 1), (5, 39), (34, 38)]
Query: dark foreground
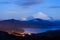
[(49, 35)]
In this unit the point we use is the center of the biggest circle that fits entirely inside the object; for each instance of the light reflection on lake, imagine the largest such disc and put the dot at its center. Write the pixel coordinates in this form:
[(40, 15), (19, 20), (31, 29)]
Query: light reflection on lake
[(40, 30)]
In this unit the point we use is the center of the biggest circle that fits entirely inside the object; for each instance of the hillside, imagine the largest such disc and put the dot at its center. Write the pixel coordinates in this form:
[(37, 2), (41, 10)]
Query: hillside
[(49, 35)]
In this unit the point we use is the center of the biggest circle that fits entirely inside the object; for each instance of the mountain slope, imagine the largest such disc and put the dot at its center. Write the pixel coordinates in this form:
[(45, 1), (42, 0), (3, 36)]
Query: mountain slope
[(34, 23)]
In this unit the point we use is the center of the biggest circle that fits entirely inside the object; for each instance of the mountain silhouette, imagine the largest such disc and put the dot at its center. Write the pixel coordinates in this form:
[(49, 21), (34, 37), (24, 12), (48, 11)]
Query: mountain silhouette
[(34, 23), (49, 35)]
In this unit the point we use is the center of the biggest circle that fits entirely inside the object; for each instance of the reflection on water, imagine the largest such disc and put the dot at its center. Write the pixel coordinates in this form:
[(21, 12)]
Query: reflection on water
[(39, 30)]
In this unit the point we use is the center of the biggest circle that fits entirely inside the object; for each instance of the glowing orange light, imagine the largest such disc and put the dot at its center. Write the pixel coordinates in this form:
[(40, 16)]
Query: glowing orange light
[(23, 35)]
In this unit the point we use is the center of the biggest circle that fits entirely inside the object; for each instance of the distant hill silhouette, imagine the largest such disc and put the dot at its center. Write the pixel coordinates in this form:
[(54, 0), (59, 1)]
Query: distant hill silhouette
[(34, 23), (49, 35), (13, 24)]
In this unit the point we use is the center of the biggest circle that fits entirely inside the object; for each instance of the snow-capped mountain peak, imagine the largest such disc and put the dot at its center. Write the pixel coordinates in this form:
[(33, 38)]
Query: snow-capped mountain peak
[(41, 15)]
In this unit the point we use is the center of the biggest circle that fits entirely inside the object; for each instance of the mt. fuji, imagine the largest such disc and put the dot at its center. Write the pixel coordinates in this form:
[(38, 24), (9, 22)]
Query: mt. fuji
[(41, 15)]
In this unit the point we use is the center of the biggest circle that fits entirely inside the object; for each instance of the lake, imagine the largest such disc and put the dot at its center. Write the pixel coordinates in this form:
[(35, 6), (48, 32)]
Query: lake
[(40, 30)]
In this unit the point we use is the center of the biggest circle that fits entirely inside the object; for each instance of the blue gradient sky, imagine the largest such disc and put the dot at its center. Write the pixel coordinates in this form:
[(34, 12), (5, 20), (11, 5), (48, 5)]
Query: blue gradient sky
[(25, 8)]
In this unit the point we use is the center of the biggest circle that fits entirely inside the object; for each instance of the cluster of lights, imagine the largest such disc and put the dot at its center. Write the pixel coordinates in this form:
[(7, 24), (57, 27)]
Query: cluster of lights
[(29, 34), (23, 34), (20, 34)]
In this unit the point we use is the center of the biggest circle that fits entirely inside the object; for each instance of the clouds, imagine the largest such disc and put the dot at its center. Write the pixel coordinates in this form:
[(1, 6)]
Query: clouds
[(23, 19), (54, 7), (12, 12), (4, 2), (26, 8), (28, 2), (23, 3)]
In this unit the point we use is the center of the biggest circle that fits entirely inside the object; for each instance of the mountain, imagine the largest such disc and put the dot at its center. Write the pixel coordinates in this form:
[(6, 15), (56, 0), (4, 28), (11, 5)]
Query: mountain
[(23, 24), (34, 23), (41, 22), (42, 15), (49, 35), (17, 25), (11, 25)]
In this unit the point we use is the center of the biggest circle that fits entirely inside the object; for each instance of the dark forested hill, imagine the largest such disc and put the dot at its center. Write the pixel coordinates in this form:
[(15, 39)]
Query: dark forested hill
[(39, 23), (49, 35)]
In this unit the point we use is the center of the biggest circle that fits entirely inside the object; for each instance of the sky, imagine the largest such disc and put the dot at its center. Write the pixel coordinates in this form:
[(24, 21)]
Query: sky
[(22, 9), (16, 9)]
